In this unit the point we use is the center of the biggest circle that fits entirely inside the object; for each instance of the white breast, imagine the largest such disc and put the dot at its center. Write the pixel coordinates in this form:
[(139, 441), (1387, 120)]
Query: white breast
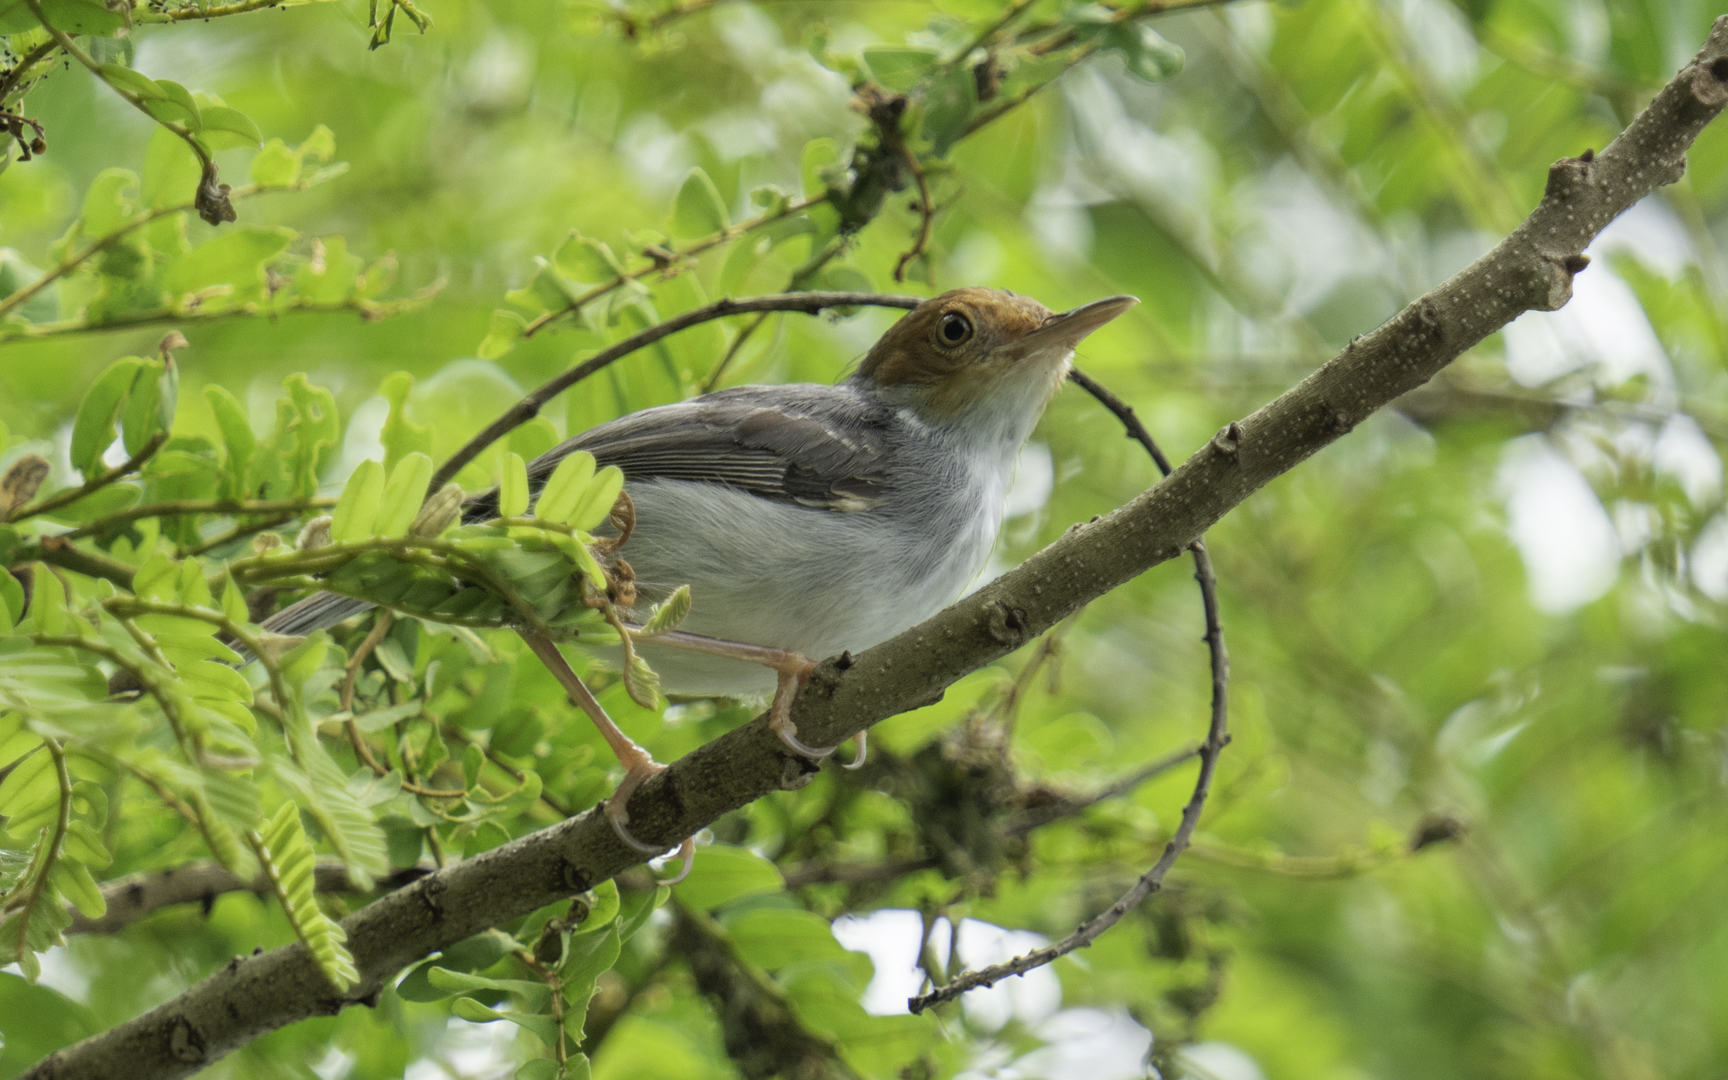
[(816, 581)]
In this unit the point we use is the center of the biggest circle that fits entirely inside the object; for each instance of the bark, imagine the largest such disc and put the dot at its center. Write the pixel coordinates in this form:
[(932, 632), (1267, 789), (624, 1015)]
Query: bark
[(1532, 268)]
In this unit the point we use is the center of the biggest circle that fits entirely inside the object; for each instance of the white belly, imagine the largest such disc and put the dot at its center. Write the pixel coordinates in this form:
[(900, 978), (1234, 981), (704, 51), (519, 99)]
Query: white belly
[(816, 581)]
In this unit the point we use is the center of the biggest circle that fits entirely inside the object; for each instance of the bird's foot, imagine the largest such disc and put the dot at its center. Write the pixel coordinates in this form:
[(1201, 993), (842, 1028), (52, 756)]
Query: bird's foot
[(794, 670), (638, 763), (792, 667)]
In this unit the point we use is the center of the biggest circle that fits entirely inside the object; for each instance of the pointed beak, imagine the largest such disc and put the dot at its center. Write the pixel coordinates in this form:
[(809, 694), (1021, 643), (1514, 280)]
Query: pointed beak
[(1065, 331)]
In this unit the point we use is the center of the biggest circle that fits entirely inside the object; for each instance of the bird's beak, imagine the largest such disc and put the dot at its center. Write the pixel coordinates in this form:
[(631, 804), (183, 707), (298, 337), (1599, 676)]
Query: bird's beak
[(1063, 332)]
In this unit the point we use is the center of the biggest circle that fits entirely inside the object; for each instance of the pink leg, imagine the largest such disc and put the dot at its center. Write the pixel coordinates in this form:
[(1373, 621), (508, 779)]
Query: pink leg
[(638, 764), (791, 667)]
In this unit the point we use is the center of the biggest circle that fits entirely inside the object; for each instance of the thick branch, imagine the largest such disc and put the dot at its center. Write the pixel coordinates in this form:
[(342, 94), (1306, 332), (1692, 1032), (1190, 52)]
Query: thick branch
[(1532, 268)]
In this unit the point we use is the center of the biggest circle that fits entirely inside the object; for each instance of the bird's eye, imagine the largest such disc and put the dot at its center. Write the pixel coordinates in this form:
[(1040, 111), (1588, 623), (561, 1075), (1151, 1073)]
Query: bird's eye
[(953, 329)]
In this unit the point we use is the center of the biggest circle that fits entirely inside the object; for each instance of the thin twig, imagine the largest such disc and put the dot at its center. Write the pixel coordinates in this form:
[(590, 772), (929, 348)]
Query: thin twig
[(95, 483), (926, 210), (14, 78), (185, 507), (670, 259), (800, 278), (361, 750), (529, 407), (1217, 737), (103, 243), (1045, 815)]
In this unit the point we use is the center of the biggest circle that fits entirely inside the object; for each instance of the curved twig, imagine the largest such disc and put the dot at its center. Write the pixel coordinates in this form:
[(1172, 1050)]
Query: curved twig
[(529, 407), (1217, 737)]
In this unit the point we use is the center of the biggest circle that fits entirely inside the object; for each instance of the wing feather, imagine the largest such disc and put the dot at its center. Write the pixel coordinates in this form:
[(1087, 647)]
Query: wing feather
[(823, 447)]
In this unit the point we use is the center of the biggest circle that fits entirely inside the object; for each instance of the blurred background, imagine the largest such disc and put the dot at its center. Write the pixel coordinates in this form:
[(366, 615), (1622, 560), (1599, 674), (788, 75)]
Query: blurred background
[(1472, 822)]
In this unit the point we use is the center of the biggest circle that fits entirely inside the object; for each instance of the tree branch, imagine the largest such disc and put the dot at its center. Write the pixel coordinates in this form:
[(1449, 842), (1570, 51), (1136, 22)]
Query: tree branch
[(1532, 268)]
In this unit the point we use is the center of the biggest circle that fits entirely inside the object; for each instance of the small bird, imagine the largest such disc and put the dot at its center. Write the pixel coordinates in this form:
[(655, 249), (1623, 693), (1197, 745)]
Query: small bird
[(808, 520)]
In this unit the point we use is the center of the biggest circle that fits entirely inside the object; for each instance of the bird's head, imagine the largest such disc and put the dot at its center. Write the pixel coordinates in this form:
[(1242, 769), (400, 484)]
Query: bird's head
[(982, 359)]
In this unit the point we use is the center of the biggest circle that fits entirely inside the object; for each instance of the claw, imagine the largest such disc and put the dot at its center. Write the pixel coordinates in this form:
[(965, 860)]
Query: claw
[(617, 812), (686, 851), (863, 753)]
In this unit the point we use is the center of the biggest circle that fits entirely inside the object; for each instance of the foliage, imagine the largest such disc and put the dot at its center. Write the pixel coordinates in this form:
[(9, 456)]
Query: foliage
[(1471, 819)]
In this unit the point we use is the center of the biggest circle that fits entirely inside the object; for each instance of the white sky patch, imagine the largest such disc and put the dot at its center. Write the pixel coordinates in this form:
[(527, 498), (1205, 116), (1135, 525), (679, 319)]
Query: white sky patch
[(1603, 327), (1220, 1061), (1651, 231), (1446, 45), (1684, 452), (335, 1064), (658, 156), (1088, 1044), (890, 938), (469, 1050), (1570, 549), (1709, 560), (1301, 245), (59, 972)]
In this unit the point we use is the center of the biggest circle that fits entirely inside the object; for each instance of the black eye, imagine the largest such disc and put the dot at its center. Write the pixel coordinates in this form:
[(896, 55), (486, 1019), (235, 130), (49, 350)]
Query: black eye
[(953, 329)]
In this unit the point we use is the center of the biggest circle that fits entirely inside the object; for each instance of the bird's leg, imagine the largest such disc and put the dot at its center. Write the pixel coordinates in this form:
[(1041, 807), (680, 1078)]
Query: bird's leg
[(792, 669), (638, 764)]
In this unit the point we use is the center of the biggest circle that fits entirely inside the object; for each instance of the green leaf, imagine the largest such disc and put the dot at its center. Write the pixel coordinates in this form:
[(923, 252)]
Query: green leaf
[(565, 488), (473, 759), (237, 258), (723, 874), (668, 615), (535, 994), (226, 128), (142, 417), (502, 333), (276, 165), (73, 16), (820, 158), (76, 885), (357, 509), (772, 938), (135, 81), (641, 681), (93, 429), (107, 204), (1148, 54), (11, 599), (237, 434), (588, 261), (513, 487), (543, 1028), (85, 844), (403, 494), (17, 272), (291, 877), (401, 436), (597, 500), (171, 171), (899, 67), (698, 209)]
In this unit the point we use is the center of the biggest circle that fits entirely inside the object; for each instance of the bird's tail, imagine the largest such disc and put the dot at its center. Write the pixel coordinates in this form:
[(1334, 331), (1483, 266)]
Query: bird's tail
[(315, 613)]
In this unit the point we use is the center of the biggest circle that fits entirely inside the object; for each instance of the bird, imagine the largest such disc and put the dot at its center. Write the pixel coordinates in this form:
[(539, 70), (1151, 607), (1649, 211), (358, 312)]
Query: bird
[(809, 520)]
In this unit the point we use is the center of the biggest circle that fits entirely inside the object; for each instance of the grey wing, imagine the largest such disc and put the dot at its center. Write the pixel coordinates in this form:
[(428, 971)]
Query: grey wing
[(818, 446), (824, 447)]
